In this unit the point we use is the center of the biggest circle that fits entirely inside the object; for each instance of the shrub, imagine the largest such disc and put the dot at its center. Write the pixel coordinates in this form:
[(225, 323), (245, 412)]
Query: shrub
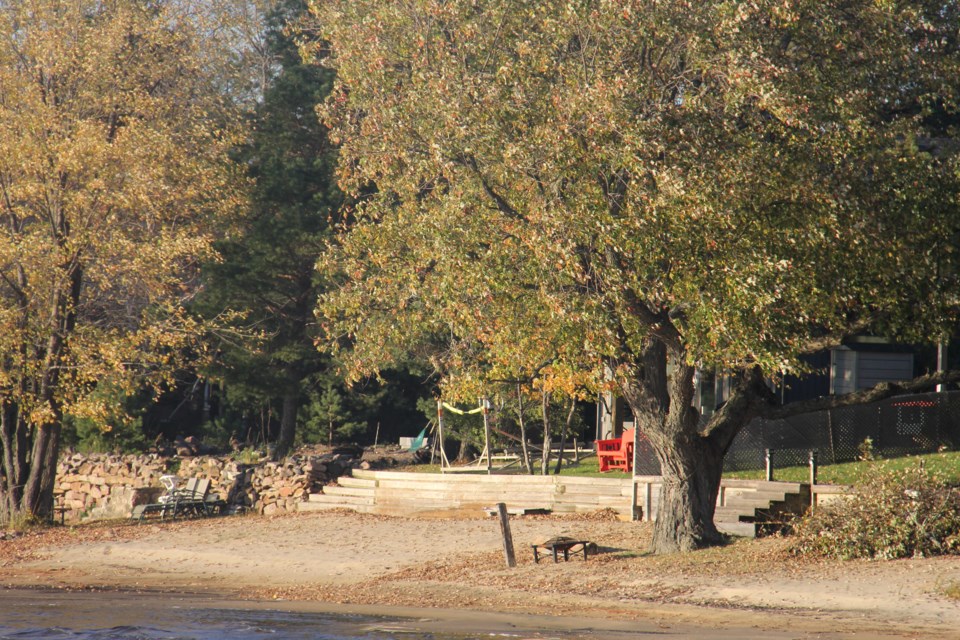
[(893, 514), (18, 521)]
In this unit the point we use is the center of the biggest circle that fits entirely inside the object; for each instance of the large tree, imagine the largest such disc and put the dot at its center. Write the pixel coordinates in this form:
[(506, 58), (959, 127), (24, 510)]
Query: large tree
[(633, 189), (113, 141), (266, 271)]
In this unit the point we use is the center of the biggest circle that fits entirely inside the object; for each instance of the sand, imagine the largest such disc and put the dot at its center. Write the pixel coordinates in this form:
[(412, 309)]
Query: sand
[(451, 569)]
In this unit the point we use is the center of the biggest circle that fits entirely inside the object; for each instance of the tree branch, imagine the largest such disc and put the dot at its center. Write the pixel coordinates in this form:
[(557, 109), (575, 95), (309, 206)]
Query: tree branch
[(835, 338), (882, 391), (748, 399), (502, 205)]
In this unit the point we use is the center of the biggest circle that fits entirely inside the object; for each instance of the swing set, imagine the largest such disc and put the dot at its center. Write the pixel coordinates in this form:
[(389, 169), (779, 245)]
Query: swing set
[(487, 458)]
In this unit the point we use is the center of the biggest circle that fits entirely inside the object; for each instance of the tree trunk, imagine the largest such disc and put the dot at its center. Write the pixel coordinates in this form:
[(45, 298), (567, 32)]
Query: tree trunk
[(691, 470), (545, 460), (15, 445), (563, 436), (523, 431), (690, 465), (691, 459), (288, 424), (463, 451), (38, 492)]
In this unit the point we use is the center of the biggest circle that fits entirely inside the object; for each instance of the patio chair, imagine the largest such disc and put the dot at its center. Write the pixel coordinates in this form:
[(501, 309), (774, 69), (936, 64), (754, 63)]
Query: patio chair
[(193, 499)]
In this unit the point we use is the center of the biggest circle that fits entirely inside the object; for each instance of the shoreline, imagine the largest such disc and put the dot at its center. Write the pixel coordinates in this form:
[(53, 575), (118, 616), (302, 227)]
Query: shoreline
[(394, 619), (451, 571), (459, 622)]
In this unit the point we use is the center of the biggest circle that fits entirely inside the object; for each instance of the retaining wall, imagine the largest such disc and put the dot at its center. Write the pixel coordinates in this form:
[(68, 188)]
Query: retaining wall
[(100, 486)]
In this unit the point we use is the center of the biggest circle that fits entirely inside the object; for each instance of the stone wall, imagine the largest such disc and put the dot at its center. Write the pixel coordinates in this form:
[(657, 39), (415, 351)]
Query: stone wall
[(101, 486)]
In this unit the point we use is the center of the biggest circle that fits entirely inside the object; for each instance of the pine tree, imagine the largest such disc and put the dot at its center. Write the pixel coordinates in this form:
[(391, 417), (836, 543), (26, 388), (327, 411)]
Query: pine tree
[(267, 272)]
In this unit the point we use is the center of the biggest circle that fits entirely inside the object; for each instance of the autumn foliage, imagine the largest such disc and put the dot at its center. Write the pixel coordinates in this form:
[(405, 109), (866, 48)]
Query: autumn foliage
[(617, 192), (112, 141)]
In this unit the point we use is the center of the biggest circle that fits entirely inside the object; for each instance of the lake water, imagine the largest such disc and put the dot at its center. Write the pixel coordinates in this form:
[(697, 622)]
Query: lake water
[(62, 615), (201, 624), (111, 616)]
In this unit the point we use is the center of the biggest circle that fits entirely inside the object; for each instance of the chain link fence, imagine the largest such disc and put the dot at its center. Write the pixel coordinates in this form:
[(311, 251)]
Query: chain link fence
[(903, 425)]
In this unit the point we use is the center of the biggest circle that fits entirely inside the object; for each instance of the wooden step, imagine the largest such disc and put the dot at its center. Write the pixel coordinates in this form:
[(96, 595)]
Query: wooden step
[(460, 494), (749, 503), (744, 529), (334, 490), (323, 498), (734, 514), (305, 507), (758, 514), (359, 483), (763, 485), (765, 494)]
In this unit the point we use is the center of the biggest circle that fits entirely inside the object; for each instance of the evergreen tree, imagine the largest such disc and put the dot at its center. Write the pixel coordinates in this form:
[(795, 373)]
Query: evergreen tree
[(267, 268)]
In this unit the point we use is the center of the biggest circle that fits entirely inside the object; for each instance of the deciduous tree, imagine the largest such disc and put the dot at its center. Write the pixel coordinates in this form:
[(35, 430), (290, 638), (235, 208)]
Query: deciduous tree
[(112, 148), (630, 189)]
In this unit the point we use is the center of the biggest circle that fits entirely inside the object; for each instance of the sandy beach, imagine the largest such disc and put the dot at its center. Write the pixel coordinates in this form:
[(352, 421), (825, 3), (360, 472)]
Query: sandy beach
[(450, 568)]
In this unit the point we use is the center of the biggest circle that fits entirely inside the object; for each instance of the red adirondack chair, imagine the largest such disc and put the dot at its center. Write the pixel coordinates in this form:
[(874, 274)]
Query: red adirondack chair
[(616, 454)]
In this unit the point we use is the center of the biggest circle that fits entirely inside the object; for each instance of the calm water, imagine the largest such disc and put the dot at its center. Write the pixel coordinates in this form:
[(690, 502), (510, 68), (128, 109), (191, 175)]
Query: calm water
[(110, 616), (42, 615), (203, 624)]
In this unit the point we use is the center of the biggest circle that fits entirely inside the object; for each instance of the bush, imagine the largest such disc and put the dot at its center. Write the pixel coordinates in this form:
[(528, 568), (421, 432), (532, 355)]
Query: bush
[(894, 514), (111, 422)]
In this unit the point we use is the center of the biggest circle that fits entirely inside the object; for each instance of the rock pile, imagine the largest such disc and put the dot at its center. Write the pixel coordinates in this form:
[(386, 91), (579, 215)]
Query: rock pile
[(98, 486)]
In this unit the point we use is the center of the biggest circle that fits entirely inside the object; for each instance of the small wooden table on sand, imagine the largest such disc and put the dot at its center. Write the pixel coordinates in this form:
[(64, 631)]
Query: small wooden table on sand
[(557, 545)]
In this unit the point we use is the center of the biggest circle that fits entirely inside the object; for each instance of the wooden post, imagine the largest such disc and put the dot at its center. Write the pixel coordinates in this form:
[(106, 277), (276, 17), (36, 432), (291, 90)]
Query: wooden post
[(942, 360), (813, 478), (486, 434), (444, 463), (648, 501), (508, 553), (633, 473), (833, 447)]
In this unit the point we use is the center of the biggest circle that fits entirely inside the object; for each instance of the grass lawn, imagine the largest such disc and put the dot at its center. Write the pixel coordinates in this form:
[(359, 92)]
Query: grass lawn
[(946, 464)]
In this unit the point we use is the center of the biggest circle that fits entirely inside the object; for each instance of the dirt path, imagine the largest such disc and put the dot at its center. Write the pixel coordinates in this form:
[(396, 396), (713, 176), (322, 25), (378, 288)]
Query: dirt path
[(452, 563)]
